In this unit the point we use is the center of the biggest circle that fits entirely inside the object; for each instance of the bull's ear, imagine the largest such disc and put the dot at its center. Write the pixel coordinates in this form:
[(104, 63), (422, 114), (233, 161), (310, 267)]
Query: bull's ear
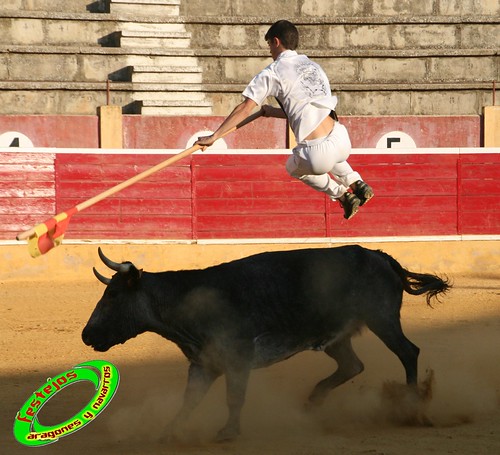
[(133, 276)]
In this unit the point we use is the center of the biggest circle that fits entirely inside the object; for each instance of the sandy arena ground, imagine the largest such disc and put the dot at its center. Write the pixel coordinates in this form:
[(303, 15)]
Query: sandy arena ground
[(40, 328)]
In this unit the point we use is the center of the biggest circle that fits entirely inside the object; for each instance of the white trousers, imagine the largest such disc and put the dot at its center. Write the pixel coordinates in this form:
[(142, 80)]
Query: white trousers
[(314, 161)]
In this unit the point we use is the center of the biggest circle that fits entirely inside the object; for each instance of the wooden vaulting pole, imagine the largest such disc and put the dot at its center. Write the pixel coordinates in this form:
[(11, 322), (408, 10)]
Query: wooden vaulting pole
[(49, 234)]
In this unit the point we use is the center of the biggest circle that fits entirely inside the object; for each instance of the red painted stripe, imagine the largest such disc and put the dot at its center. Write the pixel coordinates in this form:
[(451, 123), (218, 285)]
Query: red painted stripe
[(394, 224), (479, 202), (480, 171), (37, 159), (34, 206), (27, 189), (79, 191), (486, 222), (249, 196), (260, 206)]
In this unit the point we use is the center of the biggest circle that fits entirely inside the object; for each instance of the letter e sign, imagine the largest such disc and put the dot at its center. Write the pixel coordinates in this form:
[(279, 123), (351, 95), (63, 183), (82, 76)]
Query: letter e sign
[(396, 140)]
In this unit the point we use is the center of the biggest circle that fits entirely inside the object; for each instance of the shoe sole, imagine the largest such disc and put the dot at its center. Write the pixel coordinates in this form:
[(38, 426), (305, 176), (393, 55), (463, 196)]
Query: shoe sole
[(355, 209), (366, 197), (364, 192)]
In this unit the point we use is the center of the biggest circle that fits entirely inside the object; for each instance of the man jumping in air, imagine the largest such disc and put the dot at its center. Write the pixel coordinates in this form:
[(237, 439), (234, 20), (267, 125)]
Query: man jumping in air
[(302, 89)]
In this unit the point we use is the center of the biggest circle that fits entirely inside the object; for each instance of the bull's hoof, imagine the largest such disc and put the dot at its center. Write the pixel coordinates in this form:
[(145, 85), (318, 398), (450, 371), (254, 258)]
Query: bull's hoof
[(172, 435), (310, 406), (407, 405), (227, 434), (167, 438)]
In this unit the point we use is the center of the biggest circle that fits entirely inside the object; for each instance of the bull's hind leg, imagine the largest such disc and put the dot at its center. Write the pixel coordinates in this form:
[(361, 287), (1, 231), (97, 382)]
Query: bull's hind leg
[(349, 366), (393, 337), (404, 405)]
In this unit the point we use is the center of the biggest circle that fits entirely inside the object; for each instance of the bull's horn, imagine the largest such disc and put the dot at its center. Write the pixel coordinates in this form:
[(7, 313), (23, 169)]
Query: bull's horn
[(100, 277), (117, 267)]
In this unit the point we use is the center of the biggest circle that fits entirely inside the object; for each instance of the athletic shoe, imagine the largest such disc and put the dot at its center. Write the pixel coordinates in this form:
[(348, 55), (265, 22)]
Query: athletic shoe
[(350, 203), (363, 191)]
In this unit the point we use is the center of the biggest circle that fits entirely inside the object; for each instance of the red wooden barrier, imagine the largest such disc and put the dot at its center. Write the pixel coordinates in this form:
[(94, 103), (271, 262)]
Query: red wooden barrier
[(239, 195), (27, 190), (415, 195), (173, 132), (159, 207), (479, 200)]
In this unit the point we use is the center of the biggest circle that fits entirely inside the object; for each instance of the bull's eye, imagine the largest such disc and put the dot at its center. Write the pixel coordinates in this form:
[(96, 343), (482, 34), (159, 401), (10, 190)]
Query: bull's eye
[(110, 295)]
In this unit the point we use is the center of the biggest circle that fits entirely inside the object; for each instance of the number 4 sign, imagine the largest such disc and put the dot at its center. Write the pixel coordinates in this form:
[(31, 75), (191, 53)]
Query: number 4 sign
[(15, 139)]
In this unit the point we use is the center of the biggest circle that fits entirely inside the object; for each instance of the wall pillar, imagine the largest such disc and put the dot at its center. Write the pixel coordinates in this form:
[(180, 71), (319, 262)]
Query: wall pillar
[(291, 142), (492, 126), (110, 127)]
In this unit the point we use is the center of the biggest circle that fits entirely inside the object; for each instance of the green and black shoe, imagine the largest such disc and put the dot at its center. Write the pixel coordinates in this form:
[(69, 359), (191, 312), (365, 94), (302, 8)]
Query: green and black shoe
[(363, 191), (350, 203)]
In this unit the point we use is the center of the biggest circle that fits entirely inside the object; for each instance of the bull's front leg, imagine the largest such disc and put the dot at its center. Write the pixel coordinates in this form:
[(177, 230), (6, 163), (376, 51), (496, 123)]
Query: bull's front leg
[(199, 381), (236, 387)]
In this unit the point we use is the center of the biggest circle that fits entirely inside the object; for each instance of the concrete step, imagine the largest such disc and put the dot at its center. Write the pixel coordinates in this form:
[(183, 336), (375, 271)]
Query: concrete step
[(145, 7), (177, 103), (167, 78), (175, 107), (139, 38), (77, 98), (55, 32), (153, 27), (158, 61), (155, 34), (23, 85), (177, 87), (169, 96), (176, 111), (48, 6), (250, 53), (93, 63), (166, 69), (167, 74)]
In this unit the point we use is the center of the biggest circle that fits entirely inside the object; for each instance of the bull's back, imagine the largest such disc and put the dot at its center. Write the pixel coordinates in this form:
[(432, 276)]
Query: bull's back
[(308, 287)]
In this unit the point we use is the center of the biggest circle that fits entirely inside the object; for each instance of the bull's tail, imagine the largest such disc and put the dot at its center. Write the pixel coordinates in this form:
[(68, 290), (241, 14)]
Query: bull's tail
[(419, 283)]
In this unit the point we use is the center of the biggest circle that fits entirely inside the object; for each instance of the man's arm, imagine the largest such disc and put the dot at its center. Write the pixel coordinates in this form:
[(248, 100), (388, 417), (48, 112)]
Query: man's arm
[(240, 112)]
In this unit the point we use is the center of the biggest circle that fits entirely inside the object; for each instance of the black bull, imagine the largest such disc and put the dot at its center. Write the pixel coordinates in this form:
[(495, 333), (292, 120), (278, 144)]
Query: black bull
[(253, 312)]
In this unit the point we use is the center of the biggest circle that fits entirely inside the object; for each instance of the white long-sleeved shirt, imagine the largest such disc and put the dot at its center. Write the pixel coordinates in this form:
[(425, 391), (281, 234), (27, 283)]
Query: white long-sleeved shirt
[(300, 86)]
